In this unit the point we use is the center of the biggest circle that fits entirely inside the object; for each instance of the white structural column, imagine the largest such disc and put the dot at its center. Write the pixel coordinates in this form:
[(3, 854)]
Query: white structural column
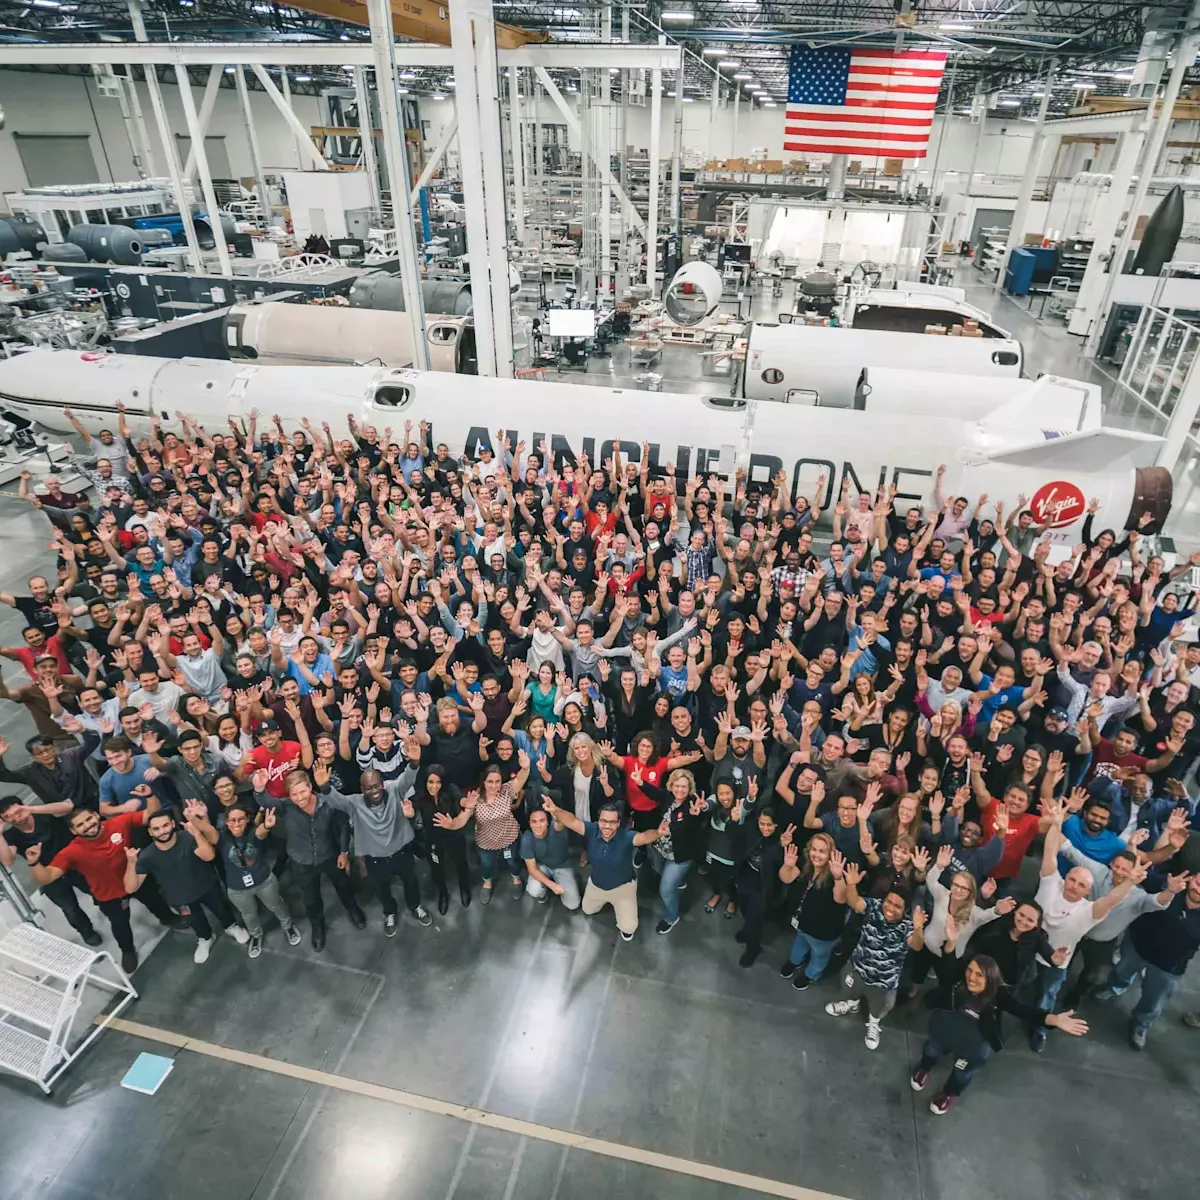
[(383, 42), (652, 206), (264, 195), (514, 141), (605, 149), (1182, 58), (472, 34), (431, 163), (1104, 228), (676, 144), (286, 83), (366, 134), (737, 100), (207, 103), (146, 164), (304, 142), (206, 183), (1016, 234), (170, 149), (574, 126), (1187, 407)]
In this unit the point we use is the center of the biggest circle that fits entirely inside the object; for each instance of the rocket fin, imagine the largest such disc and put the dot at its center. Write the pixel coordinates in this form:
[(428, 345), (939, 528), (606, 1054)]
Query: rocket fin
[(1090, 450), (1053, 404)]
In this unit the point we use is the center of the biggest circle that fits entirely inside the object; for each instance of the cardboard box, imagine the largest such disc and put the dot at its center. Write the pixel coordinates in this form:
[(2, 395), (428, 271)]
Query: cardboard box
[(937, 329), (893, 166), (772, 166), (955, 331), (977, 333)]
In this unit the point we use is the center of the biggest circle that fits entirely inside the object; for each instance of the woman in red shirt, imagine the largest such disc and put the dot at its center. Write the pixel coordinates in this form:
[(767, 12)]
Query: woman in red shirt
[(642, 766)]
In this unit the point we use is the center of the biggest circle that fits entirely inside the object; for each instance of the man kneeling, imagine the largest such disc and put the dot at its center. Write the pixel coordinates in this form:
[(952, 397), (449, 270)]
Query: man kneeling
[(544, 847)]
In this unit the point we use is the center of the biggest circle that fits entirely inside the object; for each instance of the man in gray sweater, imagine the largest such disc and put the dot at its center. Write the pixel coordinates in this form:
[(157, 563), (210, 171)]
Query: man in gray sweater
[(381, 819)]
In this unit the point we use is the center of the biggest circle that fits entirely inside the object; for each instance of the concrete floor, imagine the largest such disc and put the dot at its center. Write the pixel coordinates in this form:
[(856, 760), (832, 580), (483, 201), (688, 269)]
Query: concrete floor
[(467, 1061)]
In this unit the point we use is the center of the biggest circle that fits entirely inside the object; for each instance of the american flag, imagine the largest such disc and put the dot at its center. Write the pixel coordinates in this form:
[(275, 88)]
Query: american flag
[(868, 102)]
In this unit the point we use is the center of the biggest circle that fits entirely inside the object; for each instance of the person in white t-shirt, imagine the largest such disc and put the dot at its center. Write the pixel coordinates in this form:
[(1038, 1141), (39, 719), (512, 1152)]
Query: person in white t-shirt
[(1067, 913)]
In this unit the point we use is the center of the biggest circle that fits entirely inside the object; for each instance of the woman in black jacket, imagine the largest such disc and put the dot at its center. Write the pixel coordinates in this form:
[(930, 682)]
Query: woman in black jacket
[(1013, 942), (439, 804), (820, 900), (672, 856), (967, 1028), (759, 860), (630, 704)]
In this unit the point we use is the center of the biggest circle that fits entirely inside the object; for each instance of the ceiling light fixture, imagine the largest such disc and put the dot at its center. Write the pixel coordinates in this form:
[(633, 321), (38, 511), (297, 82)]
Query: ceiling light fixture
[(676, 14), (713, 52), (729, 62), (743, 75), (962, 25), (303, 78)]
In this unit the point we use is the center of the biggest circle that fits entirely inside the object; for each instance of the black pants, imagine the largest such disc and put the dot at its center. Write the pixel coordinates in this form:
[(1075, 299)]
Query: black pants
[(753, 905), (945, 967), (1097, 960), (380, 872), (62, 894), (117, 912), (721, 879), (444, 852), (308, 876), (217, 903)]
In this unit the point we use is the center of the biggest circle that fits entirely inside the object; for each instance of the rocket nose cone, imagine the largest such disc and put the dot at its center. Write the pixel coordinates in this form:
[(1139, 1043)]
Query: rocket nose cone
[(1153, 491)]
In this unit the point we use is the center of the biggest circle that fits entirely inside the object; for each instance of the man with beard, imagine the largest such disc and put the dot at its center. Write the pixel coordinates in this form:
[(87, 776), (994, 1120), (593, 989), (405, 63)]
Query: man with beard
[(98, 851), (180, 860), (381, 817)]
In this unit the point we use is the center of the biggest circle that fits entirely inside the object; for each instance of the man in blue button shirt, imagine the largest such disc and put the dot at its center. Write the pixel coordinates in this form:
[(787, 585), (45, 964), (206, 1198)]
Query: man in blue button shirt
[(610, 854)]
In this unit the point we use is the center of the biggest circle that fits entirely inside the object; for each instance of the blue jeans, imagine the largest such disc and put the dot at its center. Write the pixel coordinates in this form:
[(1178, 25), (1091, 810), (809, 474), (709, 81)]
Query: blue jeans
[(812, 951), (964, 1069), (487, 861), (1157, 985), (1049, 984), (671, 875)]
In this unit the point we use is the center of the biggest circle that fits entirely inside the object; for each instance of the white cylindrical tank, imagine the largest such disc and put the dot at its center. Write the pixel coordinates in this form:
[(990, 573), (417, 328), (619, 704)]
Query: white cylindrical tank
[(315, 333), (934, 393), (820, 364), (693, 293)]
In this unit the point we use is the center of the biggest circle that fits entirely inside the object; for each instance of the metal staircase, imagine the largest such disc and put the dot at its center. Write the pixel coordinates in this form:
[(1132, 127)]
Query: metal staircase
[(43, 982)]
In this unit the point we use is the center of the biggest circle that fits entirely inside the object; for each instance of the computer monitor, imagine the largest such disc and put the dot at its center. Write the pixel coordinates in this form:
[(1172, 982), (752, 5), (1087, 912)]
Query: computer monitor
[(572, 322)]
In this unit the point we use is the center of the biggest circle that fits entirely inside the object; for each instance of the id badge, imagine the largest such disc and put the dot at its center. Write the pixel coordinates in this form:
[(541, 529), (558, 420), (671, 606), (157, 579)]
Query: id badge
[(796, 922), (433, 857), (185, 910), (248, 880)]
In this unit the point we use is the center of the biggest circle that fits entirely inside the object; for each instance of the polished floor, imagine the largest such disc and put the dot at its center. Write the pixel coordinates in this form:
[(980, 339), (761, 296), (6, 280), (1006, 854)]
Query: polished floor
[(518, 1052)]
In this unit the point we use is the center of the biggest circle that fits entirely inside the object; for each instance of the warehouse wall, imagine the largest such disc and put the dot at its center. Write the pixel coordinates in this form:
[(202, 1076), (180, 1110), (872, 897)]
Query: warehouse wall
[(39, 103)]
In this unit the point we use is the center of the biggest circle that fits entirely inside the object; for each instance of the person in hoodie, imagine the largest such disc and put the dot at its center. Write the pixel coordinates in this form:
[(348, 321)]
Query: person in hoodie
[(381, 820), (970, 853)]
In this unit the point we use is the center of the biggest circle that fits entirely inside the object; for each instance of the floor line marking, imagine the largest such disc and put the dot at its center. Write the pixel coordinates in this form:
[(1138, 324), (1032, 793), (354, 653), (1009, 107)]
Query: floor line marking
[(476, 1117), (460, 1166), (302, 1138)]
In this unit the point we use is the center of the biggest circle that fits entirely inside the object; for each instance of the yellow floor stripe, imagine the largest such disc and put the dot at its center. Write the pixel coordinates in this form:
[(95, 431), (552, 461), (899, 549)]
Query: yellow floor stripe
[(475, 1116)]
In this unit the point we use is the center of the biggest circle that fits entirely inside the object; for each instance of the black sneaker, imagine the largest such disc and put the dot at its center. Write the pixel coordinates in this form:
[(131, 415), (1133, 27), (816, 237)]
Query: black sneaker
[(129, 961), (747, 959), (421, 916), (255, 946), (389, 925), (665, 926), (358, 918), (318, 938), (787, 970), (800, 981), (91, 938)]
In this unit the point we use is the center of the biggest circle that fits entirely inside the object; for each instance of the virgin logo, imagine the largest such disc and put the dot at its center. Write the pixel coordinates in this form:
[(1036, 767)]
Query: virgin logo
[(1057, 504), (93, 356)]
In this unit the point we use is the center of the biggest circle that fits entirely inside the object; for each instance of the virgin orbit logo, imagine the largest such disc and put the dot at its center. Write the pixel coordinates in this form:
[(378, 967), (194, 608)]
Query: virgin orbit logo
[(1057, 504)]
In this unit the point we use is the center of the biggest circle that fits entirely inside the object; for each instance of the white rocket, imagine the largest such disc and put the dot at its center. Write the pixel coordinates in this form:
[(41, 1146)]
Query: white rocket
[(1046, 441)]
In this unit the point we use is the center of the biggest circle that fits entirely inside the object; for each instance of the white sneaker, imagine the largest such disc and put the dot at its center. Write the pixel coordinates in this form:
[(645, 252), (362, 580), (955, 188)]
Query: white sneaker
[(842, 1008), (239, 934), (203, 950), (872, 1034)]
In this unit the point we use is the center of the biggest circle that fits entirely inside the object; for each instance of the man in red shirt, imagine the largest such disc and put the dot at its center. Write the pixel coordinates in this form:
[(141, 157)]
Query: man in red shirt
[(97, 852), (277, 757), (1116, 760), (1018, 826), (37, 646)]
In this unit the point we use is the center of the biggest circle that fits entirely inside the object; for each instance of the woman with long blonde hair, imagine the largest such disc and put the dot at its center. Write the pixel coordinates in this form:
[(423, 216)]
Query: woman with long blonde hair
[(954, 919), (821, 910), (672, 855)]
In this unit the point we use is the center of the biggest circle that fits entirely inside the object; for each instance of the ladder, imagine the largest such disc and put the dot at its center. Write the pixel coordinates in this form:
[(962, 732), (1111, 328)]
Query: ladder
[(43, 981)]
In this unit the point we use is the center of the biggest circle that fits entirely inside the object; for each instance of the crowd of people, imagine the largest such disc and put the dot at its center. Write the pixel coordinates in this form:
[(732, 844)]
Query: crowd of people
[(941, 762)]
